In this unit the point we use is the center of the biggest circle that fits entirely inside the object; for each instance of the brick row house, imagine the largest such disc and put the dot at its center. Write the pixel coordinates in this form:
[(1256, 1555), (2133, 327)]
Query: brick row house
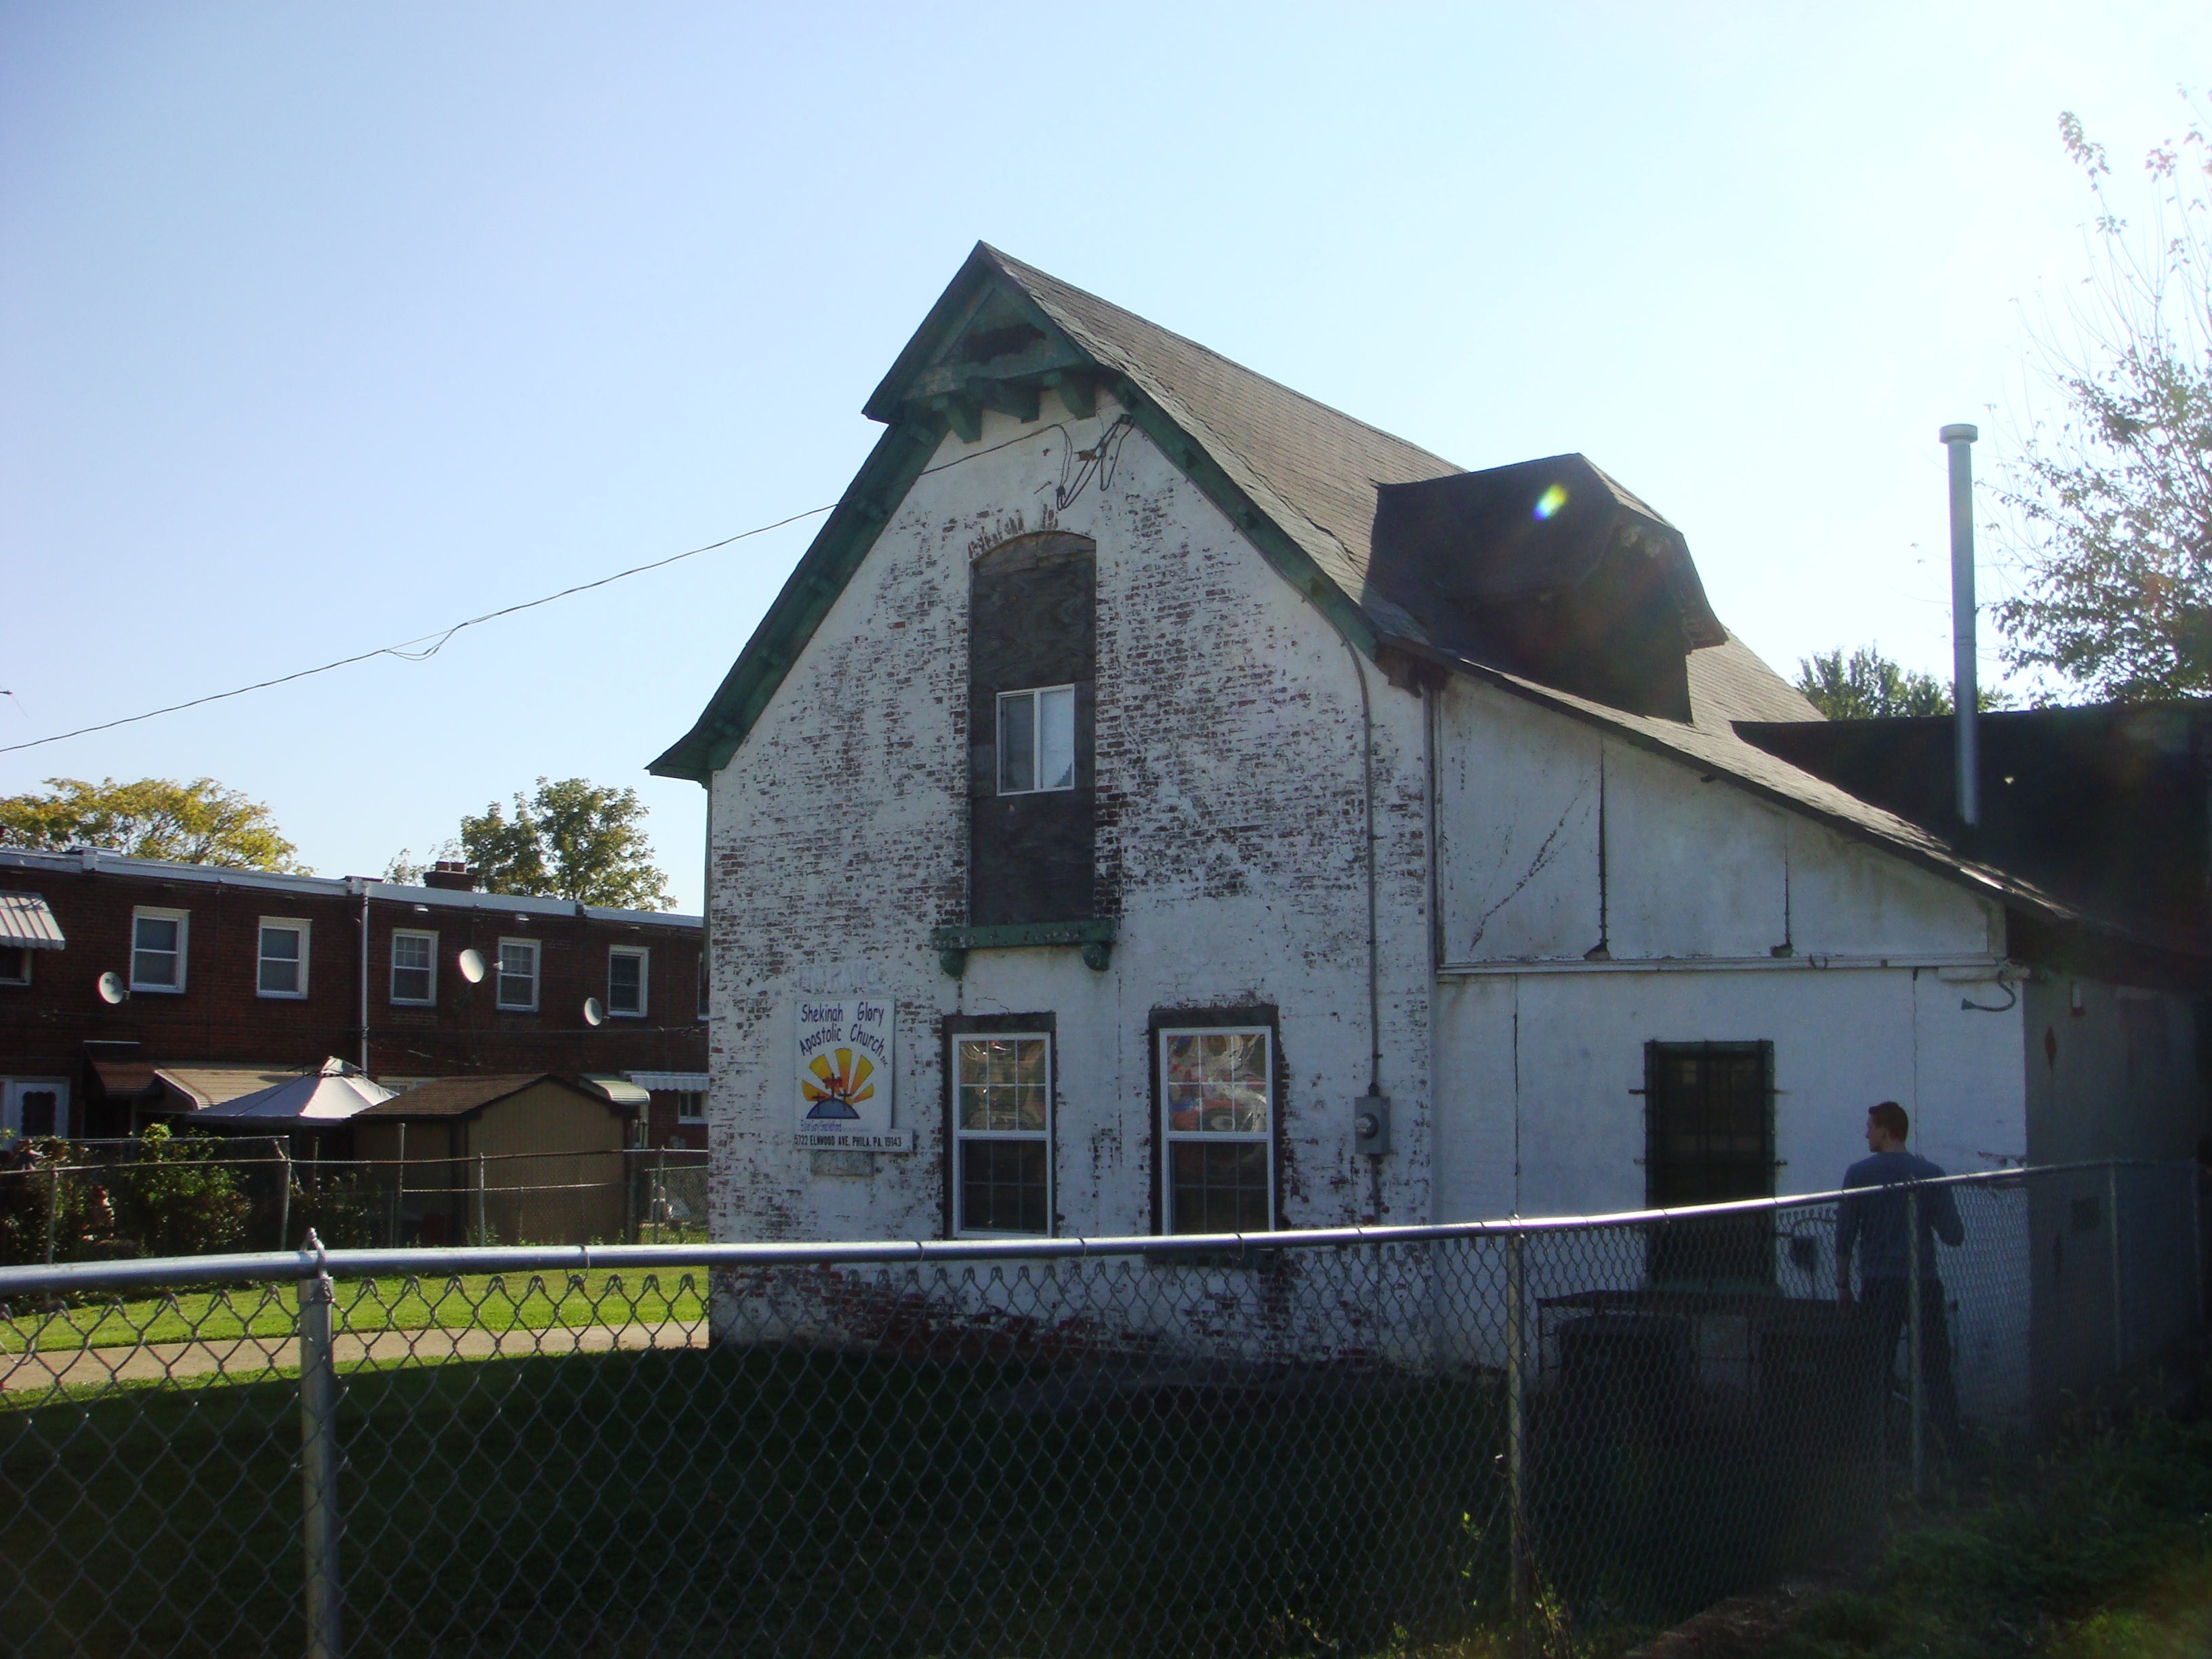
[(134, 989)]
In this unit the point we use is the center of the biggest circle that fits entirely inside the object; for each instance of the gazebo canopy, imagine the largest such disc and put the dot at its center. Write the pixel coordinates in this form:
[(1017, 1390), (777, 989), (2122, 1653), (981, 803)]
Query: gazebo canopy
[(332, 1095)]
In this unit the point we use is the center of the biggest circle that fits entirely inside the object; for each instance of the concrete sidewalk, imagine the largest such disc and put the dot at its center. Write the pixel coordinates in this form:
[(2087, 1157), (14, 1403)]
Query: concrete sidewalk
[(251, 1358)]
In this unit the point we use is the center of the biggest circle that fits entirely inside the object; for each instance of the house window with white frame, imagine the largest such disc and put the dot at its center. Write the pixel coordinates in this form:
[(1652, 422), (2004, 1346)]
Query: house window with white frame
[(626, 979), (15, 964), (158, 942), (690, 1106), (282, 966), (1002, 1134), (1218, 1117), (518, 975), (414, 967), (1036, 740)]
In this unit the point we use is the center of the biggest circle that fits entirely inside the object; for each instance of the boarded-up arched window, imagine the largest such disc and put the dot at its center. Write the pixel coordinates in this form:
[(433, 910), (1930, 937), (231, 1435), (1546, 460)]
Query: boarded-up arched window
[(1032, 647)]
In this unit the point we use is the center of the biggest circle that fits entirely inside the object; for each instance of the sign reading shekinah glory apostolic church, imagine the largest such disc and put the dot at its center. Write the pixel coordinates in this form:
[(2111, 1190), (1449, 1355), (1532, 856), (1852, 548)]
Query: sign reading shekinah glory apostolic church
[(843, 1081)]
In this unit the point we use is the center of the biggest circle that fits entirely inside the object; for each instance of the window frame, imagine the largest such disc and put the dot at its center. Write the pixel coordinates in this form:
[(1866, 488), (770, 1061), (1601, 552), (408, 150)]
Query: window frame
[(183, 953), (303, 929), (644, 955), (1036, 742), (536, 948), (1207, 1021), (973, 1028), (698, 1095), (392, 964), (22, 953)]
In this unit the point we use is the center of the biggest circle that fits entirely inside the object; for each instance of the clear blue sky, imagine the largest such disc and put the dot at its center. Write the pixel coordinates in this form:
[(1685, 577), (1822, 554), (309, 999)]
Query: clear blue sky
[(323, 327)]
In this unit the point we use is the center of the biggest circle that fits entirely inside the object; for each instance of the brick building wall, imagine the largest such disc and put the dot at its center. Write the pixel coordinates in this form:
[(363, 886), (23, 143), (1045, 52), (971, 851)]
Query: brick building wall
[(1234, 859), (56, 1026)]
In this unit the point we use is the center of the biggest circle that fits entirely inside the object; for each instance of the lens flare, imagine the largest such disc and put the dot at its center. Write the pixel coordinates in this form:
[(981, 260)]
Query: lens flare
[(1551, 502)]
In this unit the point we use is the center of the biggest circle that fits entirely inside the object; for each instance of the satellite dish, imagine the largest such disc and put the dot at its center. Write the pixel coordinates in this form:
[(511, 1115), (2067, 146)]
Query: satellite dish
[(472, 968), (113, 989), (595, 1011)]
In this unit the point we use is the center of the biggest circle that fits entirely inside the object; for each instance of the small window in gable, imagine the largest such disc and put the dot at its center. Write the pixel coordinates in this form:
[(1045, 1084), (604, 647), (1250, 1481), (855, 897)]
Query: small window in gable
[(1036, 740)]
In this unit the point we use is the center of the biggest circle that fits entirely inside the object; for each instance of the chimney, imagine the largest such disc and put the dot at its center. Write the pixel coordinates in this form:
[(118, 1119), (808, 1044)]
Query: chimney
[(1965, 696), (452, 874)]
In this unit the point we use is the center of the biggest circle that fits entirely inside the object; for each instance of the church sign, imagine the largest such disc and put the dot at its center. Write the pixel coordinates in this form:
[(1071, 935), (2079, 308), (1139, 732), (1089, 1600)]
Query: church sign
[(842, 1086)]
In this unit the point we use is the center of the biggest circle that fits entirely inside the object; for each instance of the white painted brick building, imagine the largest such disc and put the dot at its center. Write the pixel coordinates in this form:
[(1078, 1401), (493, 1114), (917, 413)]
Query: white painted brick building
[(1429, 782)]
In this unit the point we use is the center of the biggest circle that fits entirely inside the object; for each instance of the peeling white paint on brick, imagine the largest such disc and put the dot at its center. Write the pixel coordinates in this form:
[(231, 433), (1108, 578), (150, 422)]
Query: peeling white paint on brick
[(1230, 835)]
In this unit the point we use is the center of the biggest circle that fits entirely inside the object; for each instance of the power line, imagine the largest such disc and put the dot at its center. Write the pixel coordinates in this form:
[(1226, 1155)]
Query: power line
[(404, 650), (435, 643)]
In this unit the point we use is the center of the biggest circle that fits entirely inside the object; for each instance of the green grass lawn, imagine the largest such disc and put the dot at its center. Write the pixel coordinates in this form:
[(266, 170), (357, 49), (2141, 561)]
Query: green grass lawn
[(490, 1302), (2100, 1550), (773, 1501)]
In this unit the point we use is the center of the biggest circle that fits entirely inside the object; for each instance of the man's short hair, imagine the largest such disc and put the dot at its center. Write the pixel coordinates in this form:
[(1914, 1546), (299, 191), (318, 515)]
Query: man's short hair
[(1889, 1118)]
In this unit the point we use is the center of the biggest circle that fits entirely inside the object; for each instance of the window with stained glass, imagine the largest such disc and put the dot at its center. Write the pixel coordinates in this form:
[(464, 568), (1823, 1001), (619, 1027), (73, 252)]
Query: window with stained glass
[(1218, 1107)]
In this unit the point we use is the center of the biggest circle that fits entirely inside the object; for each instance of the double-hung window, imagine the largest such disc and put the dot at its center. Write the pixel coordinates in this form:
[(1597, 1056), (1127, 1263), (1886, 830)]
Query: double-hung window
[(1002, 1133), (1036, 740), (626, 980), (518, 975), (1218, 1118), (282, 969), (690, 1106), (415, 968), (158, 940)]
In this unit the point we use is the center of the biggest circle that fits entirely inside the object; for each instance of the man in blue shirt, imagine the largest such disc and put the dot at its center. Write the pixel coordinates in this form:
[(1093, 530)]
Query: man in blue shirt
[(1874, 1225)]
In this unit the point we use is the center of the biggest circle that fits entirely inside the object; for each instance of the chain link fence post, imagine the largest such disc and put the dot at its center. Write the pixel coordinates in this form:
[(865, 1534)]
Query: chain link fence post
[(1914, 1356), (53, 1205), (2119, 1312), (284, 1197), (318, 1461), (1517, 1433)]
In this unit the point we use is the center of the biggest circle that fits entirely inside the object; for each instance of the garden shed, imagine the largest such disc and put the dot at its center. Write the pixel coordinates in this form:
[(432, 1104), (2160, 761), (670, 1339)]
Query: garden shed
[(536, 1158)]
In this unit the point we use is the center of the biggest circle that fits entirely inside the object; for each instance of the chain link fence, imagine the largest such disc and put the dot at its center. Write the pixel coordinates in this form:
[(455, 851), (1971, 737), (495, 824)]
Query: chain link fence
[(162, 1195), (1450, 1440)]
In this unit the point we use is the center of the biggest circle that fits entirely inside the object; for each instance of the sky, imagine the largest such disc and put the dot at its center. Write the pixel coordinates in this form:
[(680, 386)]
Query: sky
[(325, 328)]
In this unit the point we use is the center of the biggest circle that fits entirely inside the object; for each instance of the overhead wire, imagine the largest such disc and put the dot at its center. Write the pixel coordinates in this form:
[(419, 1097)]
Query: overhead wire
[(433, 643)]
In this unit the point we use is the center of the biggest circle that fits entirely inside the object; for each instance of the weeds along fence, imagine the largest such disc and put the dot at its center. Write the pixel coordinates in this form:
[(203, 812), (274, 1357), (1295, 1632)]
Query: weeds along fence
[(159, 1196), (1357, 1442)]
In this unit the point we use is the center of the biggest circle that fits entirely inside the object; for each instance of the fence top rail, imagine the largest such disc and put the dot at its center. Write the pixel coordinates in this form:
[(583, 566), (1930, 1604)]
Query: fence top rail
[(196, 1152), (439, 1263)]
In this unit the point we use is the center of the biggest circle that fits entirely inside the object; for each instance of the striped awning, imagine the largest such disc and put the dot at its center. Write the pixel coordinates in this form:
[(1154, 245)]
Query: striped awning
[(25, 924)]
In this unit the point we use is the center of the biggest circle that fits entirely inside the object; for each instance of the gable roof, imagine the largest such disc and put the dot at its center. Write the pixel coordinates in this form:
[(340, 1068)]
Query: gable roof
[(1298, 477), (458, 1097)]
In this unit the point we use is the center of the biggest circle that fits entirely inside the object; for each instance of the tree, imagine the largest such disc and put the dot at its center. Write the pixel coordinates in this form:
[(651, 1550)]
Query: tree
[(2110, 499), (571, 840), (1867, 685), (196, 823)]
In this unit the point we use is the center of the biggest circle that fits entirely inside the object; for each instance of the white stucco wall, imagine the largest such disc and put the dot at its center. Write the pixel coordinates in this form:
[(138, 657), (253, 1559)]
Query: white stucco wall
[(1228, 761)]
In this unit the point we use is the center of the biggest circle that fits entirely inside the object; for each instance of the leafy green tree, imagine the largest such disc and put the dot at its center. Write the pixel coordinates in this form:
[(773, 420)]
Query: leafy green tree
[(196, 823), (1867, 685), (571, 840), (2110, 499)]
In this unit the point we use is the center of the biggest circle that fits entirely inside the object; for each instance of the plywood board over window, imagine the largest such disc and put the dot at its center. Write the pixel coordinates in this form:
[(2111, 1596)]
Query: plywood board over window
[(1031, 662)]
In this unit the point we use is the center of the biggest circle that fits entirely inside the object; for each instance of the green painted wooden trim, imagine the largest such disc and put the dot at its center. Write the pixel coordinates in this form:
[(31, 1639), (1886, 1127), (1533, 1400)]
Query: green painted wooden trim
[(891, 470), (1016, 935)]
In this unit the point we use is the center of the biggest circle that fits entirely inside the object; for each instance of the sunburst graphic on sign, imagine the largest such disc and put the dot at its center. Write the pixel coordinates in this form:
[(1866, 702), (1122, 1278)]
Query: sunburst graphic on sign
[(841, 1085)]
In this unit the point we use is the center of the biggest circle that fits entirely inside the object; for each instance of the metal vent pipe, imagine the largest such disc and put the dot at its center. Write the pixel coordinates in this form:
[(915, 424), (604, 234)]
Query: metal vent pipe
[(1966, 695)]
